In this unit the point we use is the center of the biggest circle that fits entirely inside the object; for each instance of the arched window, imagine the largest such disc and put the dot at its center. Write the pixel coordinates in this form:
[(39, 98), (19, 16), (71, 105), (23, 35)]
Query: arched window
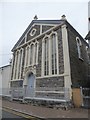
[(50, 55), (27, 58), (20, 63), (46, 61), (79, 45), (36, 49), (16, 69), (31, 54), (53, 54)]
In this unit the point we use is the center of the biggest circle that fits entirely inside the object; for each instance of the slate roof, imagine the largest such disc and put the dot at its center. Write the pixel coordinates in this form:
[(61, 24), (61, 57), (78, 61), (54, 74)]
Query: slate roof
[(88, 36), (4, 66)]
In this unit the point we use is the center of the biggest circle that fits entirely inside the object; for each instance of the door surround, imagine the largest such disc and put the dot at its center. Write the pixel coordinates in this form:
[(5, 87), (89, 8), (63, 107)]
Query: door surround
[(25, 83)]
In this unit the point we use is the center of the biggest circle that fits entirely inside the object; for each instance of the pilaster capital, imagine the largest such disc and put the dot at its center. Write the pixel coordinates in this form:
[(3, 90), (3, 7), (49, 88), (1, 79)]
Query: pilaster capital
[(64, 26)]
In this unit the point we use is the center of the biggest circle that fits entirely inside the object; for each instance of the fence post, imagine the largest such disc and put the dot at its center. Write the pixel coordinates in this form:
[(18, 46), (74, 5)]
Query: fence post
[(82, 95), (23, 94), (11, 94), (66, 94), (18, 90)]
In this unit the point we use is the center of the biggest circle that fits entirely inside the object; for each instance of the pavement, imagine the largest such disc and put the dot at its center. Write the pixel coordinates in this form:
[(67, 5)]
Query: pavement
[(44, 112)]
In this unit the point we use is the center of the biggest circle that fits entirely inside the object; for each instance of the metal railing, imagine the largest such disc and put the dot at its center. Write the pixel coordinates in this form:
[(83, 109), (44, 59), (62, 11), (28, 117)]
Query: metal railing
[(5, 92), (86, 97), (40, 92)]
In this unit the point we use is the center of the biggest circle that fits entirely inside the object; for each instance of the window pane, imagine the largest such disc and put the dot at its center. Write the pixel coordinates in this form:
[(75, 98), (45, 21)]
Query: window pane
[(79, 47), (20, 63), (27, 56), (35, 53), (31, 55), (54, 60), (46, 66)]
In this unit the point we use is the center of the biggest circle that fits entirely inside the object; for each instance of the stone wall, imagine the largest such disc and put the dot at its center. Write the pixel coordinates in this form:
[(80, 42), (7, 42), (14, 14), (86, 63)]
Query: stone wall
[(60, 52), (45, 28), (78, 67), (50, 84), (38, 67), (50, 95)]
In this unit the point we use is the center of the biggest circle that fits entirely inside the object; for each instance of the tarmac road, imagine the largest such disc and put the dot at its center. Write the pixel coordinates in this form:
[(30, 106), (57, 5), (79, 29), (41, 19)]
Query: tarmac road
[(6, 114), (9, 114)]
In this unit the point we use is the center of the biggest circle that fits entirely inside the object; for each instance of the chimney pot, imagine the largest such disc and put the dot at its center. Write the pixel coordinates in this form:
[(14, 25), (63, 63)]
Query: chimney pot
[(35, 17), (63, 17)]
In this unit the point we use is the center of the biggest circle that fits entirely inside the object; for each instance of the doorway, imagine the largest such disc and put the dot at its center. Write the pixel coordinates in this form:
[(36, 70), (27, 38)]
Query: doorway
[(30, 85)]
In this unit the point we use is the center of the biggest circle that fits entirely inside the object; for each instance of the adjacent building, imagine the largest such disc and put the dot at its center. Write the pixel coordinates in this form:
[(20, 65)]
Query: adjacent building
[(49, 60), (5, 76), (88, 39)]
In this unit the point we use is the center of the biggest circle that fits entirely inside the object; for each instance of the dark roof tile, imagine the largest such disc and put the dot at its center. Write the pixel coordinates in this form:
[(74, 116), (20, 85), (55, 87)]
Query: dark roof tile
[(88, 36)]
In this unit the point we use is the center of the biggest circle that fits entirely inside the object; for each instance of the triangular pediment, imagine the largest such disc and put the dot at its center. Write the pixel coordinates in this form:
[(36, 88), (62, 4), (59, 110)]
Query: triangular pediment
[(36, 28)]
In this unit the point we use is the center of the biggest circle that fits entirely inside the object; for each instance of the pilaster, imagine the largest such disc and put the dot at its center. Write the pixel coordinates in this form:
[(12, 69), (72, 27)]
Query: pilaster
[(43, 48), (67, 71)]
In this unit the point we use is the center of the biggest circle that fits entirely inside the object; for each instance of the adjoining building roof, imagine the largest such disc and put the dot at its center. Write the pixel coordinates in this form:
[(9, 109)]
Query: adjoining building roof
[(5, 66), (88, 36)]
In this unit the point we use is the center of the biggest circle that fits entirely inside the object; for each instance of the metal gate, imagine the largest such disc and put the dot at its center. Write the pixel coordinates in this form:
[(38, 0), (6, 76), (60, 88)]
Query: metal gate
[(17, 93), (86, 97)]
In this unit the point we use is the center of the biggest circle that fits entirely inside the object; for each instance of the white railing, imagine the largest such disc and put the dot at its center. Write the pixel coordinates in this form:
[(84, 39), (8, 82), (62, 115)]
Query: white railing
[(17, 93), (5, 92), (40, 92)]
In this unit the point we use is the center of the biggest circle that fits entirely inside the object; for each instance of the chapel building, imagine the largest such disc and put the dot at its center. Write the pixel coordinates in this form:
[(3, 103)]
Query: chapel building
[(49, 60)]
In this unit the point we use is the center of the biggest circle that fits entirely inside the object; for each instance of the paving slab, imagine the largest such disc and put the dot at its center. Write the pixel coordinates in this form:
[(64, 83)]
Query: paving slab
[(44, 112)]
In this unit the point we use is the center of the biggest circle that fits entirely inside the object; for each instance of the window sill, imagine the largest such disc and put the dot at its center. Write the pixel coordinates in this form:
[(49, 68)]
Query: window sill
[(81, 59), (32, 65)]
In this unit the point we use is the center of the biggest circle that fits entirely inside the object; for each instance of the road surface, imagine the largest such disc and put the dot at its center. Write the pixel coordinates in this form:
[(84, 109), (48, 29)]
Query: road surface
[(6, 114), (9, 114)]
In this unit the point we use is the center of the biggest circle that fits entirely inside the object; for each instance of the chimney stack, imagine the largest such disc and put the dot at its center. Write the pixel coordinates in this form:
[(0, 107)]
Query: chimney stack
[(35, 17), (63, 17)]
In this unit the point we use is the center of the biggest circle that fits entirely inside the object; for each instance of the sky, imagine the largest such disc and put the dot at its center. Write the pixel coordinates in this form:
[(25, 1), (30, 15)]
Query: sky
[(17, 15)]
